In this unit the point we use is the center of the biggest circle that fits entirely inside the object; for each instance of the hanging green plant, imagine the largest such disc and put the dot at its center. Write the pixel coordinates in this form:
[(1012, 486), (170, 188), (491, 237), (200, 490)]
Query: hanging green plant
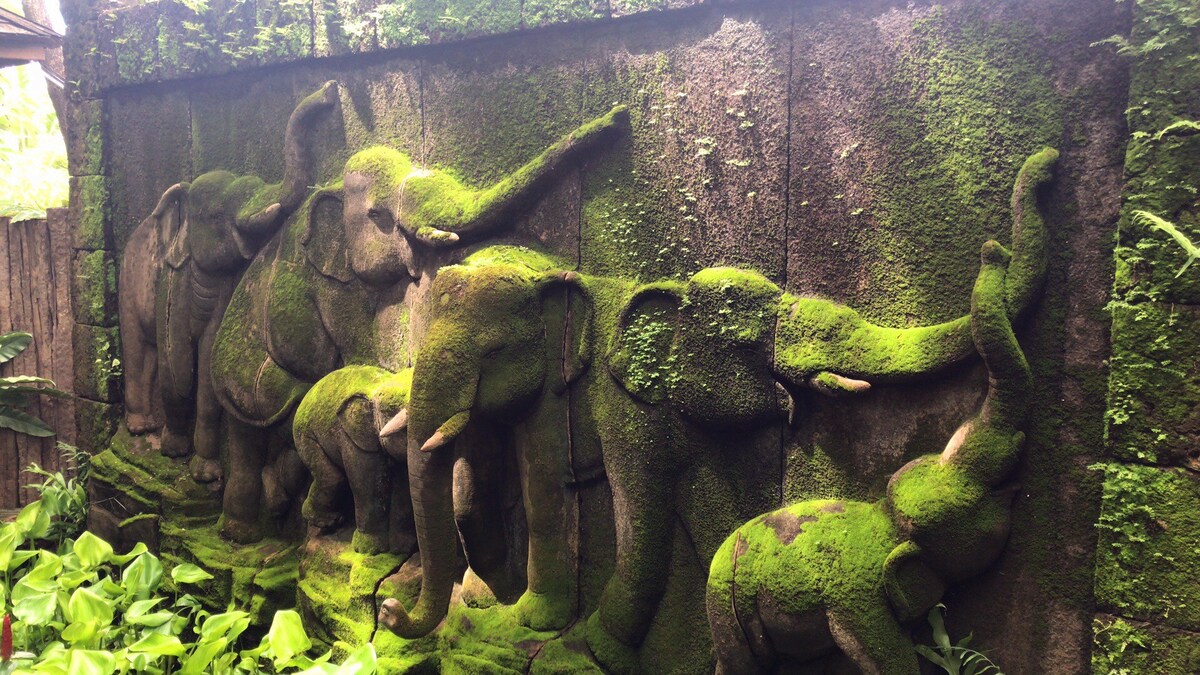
[(17, 390)]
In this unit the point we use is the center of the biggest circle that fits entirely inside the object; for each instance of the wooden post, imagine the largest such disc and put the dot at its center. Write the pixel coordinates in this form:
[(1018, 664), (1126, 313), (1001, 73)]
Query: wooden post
[(35, 268)]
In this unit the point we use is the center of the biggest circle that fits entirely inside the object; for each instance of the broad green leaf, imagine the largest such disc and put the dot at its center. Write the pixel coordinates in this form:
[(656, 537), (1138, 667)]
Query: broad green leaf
[(12, 344), (156, 643), (88, 606), (142, 576), (36, 609), (138, 549), (228, 625), (10, 539), (18, 380), (70, 580), (151, 620), (140, 608), (23, 422), (361, 662), (91, 662), (92, 550), (81, 631), (287, 637), (197, 662), (188, 573), (33, 522)]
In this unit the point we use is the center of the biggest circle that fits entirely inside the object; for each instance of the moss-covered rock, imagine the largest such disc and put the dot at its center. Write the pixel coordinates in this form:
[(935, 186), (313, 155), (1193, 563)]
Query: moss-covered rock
[(1146, 555), (89, 211), (1126, 646), (94, 288)]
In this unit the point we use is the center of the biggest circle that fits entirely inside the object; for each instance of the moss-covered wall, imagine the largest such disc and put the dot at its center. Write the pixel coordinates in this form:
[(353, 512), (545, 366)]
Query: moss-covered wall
[(1148, 619), (860, 151)]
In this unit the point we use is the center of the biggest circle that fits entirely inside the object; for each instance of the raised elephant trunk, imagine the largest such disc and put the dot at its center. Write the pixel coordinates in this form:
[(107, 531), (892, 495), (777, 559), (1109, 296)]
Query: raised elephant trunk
[(439, 402), (298, 172)]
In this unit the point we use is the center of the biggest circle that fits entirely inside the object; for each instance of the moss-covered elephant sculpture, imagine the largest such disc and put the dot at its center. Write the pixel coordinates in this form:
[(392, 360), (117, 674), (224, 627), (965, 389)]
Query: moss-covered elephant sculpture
[(699, 360), (506, 340), (342, 436), (691, 366), (792, 585), (330, 289), (225, 219)]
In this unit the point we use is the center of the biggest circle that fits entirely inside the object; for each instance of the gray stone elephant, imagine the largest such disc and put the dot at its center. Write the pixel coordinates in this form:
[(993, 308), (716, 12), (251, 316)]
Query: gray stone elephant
[(331, 289), (689, 374), (796, 583), (341, 437), (188, 256)]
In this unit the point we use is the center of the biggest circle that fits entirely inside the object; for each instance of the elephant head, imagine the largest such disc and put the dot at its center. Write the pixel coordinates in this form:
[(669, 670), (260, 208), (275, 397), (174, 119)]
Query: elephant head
[(393, 205), (498, 336), (715, 345), (227, 216)]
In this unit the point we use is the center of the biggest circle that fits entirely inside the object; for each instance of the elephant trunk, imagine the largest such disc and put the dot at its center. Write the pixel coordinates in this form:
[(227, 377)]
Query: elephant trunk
[(297, 159), (438, 410)]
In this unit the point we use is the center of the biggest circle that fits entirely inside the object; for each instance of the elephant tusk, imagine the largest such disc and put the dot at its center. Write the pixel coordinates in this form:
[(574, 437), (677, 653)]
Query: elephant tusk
[(398, 423), (436, 237), (447, 432), (832, 384)]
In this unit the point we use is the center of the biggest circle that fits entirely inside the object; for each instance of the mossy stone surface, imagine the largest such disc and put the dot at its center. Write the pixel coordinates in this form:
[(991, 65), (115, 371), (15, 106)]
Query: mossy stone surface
[(89, 213), (1122, 645), (94, 288), (1154, 385), (1146, 555), (97, 352)]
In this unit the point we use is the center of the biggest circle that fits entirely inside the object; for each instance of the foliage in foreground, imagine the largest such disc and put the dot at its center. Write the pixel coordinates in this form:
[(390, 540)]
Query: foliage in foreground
[(16, 390), (85, 610), (955, 659)]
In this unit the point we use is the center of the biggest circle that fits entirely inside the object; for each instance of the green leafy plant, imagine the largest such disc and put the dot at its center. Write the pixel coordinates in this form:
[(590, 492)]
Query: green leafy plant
[(955, 659), (1149, 219), (64, 498), (16, 390)]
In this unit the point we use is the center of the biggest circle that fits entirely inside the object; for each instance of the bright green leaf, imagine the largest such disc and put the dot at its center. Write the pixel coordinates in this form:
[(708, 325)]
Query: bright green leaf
[(91, 662), (287, 637), (92, 550), (188, 573), (156, 643)]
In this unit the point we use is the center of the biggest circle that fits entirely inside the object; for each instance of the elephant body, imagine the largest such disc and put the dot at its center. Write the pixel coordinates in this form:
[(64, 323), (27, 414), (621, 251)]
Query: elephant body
[(330, 289), (337, 434), (791, 585)]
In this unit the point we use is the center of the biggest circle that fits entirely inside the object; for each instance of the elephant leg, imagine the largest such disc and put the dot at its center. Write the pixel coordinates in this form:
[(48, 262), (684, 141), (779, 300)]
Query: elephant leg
[(371, 485), (644, 501), (550, 602), (141, 367), (241, 513), (479, 510), (206, 465), (328, 490), (285, 477), (176, 362), (402, 531), (873, 639)]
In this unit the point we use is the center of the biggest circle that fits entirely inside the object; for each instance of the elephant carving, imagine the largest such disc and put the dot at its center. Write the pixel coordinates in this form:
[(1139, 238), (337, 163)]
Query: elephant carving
[(693, 372), (341, 437), (506, 340), (214, 224), (792, 585), (330, 289)]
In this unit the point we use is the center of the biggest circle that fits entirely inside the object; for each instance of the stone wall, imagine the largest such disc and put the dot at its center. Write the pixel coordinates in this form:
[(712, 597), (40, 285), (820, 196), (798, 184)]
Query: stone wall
[(857, 151)]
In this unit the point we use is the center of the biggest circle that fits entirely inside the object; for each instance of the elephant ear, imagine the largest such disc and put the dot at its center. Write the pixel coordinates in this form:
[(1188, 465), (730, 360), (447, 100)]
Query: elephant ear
[(171, 214), (324, 236), (357, 418), (567, 313), (640, 354)]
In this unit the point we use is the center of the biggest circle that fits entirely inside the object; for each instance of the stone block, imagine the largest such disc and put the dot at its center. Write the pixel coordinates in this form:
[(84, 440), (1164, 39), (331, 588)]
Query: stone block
[(89, 211), (97, 363), (1146, 556), (94, 288)]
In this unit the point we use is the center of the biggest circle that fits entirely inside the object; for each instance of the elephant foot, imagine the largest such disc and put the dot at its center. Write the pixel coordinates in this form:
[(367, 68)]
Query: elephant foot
[(205, 470), (476, 593), (175, 445), (616, 656), (369, 544), (544, 611), (240, 531), (141, 424), (323, 522), (275, 496)]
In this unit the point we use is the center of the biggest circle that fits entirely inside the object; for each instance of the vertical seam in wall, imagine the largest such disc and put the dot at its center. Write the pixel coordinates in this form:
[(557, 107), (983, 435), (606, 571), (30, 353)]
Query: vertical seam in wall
[(787, 224), (421, 107)]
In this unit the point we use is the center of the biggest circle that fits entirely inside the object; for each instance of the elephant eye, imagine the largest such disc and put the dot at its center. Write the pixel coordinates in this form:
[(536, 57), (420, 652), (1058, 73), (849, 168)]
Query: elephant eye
[(374, 214)]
